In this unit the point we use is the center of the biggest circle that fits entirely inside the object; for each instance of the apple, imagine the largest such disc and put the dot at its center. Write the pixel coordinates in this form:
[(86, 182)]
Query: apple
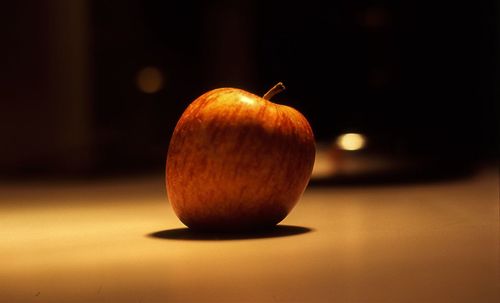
[(237, 161)]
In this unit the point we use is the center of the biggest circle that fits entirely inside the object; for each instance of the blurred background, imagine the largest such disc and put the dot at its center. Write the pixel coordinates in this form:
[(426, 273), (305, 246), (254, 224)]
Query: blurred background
[(394, 90)]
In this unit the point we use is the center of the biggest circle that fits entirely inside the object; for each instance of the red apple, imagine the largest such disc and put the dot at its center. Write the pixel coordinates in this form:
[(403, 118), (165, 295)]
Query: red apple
[(237, 161)]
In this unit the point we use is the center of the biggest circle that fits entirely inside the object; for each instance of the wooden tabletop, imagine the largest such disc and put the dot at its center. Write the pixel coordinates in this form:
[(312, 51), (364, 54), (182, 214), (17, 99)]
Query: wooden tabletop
[(119, 241)]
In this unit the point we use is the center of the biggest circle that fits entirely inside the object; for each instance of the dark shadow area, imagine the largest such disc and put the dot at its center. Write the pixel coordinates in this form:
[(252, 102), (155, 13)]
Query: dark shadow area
[(188, 234), (415, 78), (413, 175)]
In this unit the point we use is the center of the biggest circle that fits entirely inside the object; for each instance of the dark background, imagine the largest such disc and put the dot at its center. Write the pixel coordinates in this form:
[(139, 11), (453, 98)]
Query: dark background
[(418, 78)]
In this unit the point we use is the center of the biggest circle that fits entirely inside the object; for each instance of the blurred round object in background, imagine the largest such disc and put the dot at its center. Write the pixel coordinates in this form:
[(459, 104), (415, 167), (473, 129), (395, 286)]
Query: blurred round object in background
[(349, 159)]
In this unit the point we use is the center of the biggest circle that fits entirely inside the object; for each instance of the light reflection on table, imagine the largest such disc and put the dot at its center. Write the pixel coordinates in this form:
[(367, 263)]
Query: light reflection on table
[(93, 242)]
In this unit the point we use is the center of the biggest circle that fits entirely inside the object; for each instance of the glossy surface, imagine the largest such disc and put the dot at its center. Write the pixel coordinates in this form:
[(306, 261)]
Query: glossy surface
[(91, 243), (237, 161)]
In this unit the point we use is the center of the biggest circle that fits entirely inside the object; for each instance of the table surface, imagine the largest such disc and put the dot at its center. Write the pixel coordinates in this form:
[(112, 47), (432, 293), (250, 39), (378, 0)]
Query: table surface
[(119, 241)]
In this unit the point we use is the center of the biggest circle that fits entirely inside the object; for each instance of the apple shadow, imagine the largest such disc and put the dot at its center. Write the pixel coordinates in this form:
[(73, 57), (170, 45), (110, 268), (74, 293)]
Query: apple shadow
[(188, 234)]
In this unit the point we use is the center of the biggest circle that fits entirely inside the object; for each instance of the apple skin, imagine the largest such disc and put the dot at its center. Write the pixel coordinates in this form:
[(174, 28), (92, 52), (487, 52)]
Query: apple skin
[(237, 162)]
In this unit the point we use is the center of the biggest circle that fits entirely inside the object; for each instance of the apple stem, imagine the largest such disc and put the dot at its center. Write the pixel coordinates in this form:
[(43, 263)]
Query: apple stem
[(278, 88)]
